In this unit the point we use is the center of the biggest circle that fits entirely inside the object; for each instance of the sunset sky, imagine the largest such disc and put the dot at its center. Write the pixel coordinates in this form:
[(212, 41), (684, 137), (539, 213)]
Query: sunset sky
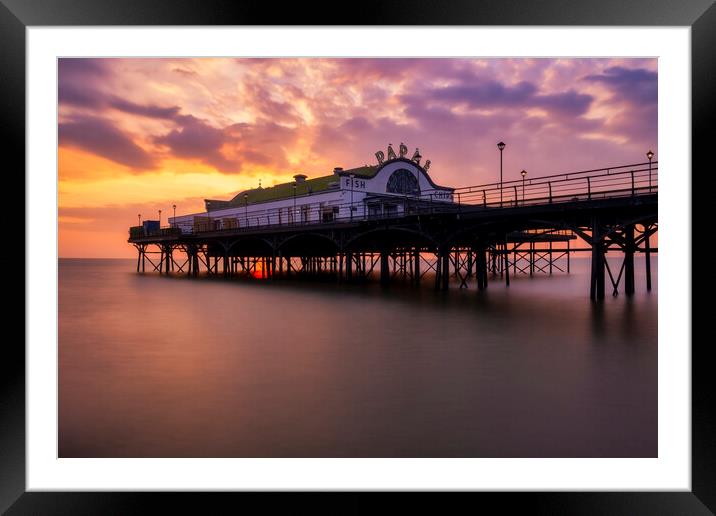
[(138, 135)]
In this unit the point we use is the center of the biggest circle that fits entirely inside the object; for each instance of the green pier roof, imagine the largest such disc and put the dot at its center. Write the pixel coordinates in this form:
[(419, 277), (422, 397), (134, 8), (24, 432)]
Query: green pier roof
[(285, 190)]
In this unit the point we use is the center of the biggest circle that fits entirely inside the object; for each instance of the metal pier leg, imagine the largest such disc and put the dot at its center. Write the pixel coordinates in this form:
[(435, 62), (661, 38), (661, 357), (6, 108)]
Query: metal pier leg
[(384, 267), (416, 266), (480, 274), (596, 289), (438, 269), (532, 258), (629, 260), (483, 266), (507, 265), (446, 269), (647, 258)]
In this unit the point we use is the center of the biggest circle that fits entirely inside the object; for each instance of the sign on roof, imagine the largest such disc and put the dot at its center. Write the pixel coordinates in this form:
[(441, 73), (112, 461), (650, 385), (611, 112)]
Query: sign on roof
[(403, 150)]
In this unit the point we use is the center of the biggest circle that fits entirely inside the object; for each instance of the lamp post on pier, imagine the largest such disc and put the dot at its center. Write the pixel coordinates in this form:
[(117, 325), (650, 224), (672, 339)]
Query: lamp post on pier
[(649, 156), (139, 219), (352, 176), (501, 147), (246, 208), (293, 218), (160, 219), (523, 173), (174, 220)]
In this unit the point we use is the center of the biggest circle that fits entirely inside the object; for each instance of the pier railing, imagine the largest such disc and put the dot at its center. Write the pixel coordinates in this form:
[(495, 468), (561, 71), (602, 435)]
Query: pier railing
[(625, 180), (586, 185)]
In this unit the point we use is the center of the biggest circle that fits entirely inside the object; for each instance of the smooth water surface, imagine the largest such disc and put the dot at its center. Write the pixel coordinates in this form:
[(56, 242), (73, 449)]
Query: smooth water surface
[(154, 366)]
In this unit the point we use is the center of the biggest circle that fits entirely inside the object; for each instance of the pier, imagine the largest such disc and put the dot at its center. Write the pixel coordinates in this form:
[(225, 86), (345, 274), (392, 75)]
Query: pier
[(487, 234)]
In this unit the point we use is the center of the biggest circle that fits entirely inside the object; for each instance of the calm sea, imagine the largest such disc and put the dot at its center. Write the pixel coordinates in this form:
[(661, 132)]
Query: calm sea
[(154, 366)]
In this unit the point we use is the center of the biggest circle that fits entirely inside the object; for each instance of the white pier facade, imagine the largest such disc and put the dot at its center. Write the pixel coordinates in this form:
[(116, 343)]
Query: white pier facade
[(391, 188)]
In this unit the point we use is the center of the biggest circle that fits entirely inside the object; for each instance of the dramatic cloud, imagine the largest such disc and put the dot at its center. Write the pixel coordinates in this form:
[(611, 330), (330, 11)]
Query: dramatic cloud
[(169, 113), (635, 85), (101, 137), (209, 126), (196, 139)]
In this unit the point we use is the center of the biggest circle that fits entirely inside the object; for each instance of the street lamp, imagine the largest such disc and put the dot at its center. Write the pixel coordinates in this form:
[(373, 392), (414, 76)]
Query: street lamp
[(246, 208), (174, 206), (501, 146), (649, 156), (294, 203), (524, 173), (352, 177), (139, 218), (160, 218)]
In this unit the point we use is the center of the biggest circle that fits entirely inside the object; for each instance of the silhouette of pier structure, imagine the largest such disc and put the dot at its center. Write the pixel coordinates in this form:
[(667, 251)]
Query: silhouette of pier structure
[(489, 233)]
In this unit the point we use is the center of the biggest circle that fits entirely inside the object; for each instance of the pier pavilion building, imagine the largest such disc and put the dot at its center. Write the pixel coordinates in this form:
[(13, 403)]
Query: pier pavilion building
[(390, 188)]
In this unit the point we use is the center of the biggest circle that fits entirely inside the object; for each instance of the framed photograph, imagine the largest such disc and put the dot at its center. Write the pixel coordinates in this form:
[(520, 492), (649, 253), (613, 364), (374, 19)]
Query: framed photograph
[(385, 256)]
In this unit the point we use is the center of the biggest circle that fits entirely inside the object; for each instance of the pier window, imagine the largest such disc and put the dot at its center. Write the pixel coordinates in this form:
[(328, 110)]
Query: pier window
[(329, 213), (403, 182)]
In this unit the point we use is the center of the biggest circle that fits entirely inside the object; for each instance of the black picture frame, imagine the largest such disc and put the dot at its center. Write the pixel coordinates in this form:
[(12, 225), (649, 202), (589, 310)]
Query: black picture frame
[(17, 15)]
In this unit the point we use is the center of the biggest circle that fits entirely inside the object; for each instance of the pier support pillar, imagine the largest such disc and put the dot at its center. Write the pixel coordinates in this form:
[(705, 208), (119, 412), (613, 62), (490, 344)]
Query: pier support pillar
[(506, 255), (446, 269), (532, 258), (481, 267), (416, 266), (349, 266), (384, 267), (139, 256), (438, 269), (629, 260), (647, 256), (596, 289)]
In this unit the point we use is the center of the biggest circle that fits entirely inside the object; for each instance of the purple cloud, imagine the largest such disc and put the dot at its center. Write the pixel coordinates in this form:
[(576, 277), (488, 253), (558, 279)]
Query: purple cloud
[(193, 139), (524, 94), (149, 111), (486, 93), (82, 67), (102, 137), (635, 84), (69, 94)]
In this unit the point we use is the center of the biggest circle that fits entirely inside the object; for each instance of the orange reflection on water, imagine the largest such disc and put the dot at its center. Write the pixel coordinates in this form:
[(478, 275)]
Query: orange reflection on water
[(260, 271)]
